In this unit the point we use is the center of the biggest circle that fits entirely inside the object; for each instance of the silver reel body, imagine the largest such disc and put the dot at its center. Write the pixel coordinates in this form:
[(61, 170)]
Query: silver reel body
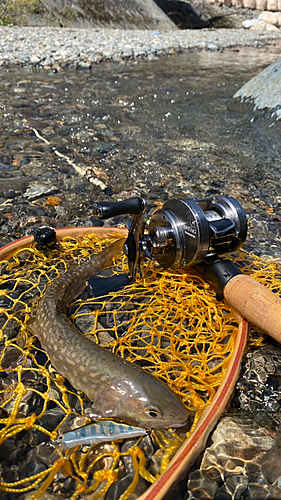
[(184, 232)]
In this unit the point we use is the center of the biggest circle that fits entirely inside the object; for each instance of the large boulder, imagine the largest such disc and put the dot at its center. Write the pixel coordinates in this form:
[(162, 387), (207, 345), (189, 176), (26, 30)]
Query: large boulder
[(129, 14), (159, 15), (261, 96)]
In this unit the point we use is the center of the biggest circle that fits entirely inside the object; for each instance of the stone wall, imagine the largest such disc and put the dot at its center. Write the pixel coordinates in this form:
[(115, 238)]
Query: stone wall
[(270, 5)]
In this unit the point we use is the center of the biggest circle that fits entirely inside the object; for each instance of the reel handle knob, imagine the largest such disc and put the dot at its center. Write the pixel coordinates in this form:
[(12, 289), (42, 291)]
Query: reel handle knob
[(106, 209)]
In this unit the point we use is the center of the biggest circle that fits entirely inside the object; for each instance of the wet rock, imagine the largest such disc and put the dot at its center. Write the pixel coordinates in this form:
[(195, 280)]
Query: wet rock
[(201, 485), (259, 386), (39, 459), (274, 492), (12, 474), (13, 357), (51, 418), (7, 448), (257, 491), (261, 93), (44, 496), (85, 323), (244, 433), (145, 444), (119, 487), (234, 458), (73, 422), (236, 485), (37, 190), (271, 460)]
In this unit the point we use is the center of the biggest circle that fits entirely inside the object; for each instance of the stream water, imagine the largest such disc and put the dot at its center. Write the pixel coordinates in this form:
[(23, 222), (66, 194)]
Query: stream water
[(159, 129)]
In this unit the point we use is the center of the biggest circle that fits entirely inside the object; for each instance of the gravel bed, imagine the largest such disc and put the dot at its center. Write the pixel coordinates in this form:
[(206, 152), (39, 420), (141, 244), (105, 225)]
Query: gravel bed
[(64, 47)]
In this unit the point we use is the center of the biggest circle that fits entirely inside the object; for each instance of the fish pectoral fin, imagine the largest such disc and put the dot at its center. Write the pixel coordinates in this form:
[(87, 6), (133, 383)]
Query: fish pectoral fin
[(30, 325), (107, 402)]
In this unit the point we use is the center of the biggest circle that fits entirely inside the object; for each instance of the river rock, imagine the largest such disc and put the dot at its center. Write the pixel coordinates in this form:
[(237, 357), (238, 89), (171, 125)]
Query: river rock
[(261, 4), (232, 463), (141, 14), (248, 23), (263, 26), (260, 96), (269, 17), (272, 5)]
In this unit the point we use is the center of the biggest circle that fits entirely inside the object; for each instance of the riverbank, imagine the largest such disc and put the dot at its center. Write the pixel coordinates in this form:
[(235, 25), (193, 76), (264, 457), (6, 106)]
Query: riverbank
[(83, 48)]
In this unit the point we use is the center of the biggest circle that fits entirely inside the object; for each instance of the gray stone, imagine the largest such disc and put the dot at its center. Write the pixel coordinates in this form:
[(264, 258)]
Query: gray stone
[(212, 46), (261, 93), (144, 14), (274, 490), (201, 485), (249, 22), (34, 59), (37, 190)]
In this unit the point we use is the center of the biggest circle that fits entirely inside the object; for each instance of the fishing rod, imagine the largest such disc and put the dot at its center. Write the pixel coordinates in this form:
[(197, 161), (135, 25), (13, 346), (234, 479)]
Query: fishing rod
[(198, 233)]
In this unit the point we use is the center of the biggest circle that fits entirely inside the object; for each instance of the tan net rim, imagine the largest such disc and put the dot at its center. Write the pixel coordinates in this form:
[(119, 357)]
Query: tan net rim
[(193, 445)]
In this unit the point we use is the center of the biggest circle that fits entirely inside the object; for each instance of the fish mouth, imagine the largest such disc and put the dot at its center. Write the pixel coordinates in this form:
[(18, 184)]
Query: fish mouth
[(164, 423)]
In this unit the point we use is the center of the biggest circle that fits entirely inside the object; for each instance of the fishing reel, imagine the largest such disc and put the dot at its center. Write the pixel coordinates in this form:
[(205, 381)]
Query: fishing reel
[(182, 233)]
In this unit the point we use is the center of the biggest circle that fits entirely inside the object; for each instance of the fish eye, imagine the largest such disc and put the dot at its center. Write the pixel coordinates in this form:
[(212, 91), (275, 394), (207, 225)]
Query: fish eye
[(152, 412), (60, 438)]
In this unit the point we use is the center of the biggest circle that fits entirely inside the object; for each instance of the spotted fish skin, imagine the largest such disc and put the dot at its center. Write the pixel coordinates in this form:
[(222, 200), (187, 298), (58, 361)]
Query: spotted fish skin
[(116, 387), (99, 432)]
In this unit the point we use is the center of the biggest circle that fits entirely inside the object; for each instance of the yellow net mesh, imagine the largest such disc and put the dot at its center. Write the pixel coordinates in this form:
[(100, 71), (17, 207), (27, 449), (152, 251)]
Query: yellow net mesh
[(168, 322)]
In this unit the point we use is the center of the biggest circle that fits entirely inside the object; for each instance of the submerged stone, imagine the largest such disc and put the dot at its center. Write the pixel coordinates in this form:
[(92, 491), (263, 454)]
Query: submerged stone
[(260, 97)]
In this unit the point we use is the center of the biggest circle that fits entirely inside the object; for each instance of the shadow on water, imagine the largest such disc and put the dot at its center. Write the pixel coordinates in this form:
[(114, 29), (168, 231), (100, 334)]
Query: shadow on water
[(157, 128)]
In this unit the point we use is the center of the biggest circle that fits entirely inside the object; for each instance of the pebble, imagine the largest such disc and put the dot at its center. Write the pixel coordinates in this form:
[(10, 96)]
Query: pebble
[(212, 46), (37, 190), (81, 48), (248, 23)]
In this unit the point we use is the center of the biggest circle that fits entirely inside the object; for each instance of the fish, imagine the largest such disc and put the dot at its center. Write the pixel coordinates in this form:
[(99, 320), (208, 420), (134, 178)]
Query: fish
[(117, 388), (98, 432)]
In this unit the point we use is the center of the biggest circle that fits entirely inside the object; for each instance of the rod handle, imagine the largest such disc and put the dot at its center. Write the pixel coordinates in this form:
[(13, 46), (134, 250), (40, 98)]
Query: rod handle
[(256, 303)]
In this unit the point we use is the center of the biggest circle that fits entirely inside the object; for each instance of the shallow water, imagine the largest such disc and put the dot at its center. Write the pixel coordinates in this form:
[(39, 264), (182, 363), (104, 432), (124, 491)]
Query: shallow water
[(159, 129)]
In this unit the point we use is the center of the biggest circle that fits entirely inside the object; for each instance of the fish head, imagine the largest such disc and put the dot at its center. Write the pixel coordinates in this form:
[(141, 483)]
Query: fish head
[(145, 402), (157, 405)]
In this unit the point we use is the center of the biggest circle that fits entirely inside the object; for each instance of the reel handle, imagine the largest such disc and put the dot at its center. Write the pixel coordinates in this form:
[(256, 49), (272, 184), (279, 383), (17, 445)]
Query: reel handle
[(105, 209), (256, 303)]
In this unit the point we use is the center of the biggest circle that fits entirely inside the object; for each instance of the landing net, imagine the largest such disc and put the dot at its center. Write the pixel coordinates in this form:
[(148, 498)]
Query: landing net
[(168, 322)]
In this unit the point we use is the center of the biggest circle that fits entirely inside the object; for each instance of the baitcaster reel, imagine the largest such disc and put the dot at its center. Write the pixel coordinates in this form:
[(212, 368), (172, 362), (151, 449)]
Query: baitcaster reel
[(197, 233), (184, 233)]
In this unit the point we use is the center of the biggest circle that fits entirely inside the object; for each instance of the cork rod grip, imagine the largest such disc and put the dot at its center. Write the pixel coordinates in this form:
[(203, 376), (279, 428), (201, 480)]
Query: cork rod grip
[(256, 303)]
